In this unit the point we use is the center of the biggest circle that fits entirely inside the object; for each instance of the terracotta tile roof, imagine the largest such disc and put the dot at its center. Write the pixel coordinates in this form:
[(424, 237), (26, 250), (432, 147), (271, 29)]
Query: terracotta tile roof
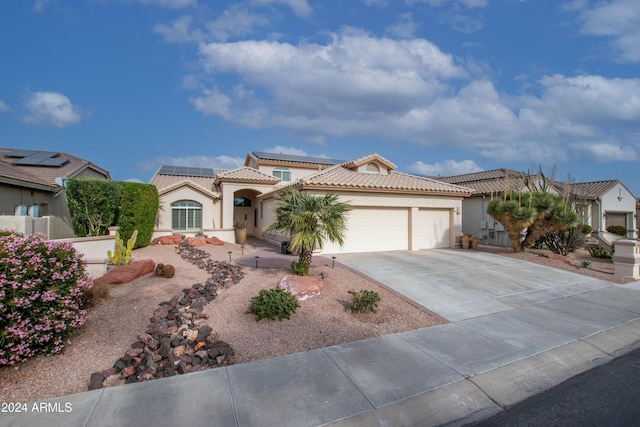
[(271, 158), (489, 182), (368, 158), (246, 174), (593, 190), (342, 178), (39, 176), (163, 182)]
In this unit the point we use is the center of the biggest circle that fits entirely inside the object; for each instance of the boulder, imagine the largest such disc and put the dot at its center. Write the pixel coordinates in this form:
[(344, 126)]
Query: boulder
[(214, 241), (197, 241), (302, 287), (126, 273), (166, 240)]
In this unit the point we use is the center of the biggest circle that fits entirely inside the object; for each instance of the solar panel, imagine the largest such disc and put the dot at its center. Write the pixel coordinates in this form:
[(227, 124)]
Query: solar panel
[(20, 153), (54, 162), (186, 171), (37, 158)]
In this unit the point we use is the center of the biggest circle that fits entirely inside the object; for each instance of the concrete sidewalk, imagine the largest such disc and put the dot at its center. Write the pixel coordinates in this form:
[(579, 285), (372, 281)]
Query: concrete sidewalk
[(502, 347)]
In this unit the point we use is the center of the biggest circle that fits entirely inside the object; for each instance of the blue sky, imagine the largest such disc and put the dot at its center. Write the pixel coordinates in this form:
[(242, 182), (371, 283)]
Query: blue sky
[(438, 87)]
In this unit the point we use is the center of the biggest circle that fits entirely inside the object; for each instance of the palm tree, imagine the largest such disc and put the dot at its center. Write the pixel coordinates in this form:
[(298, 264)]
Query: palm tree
[(309, 221)]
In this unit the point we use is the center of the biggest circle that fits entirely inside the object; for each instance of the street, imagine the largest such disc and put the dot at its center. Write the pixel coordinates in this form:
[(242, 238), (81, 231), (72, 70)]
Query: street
[(605, 396)]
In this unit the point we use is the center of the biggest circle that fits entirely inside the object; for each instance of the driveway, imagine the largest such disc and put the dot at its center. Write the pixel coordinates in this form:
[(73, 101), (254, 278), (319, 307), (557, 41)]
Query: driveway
[(460, 284)]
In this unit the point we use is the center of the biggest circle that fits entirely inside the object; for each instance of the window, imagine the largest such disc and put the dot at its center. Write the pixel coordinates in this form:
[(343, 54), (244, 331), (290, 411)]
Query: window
[(242, 202), (283, 173), (186, 216)]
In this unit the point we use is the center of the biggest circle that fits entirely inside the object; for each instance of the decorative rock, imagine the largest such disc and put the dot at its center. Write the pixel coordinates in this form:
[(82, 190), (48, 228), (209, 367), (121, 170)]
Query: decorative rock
[(214, 241), (95, 382), (177, 341), (127, 372), (302, 287), (197, 241), (178, 351), (126, 273), (166, 240), (113, 380)]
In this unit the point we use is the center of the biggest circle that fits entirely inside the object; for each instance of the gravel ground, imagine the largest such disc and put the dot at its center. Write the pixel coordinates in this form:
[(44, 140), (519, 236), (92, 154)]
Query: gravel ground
[(319, 322), (112, 327)]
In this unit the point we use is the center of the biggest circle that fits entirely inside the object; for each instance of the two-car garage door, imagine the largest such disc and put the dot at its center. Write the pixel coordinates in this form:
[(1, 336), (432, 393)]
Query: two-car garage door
[(372, 229)]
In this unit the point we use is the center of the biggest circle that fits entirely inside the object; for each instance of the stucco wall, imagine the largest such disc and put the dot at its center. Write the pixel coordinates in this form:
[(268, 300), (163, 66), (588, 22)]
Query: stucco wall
[(210, 209)]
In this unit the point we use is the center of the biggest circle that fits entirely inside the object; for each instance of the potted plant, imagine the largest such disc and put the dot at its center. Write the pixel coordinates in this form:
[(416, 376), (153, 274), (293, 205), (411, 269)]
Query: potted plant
[(241, 233), (465, 241)]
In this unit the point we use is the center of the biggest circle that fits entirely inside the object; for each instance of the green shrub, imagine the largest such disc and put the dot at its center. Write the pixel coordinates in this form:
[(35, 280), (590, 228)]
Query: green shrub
[(617, 229), (586, 229), (273, 304), (137, 210), (364, 301), (600, 252), (41, 295), (92, 205), (299, 268)]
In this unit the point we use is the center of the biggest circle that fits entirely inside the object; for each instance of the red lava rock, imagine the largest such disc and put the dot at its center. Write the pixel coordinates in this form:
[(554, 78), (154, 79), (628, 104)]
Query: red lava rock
[(127, 372), (126, 273), (302, 287)]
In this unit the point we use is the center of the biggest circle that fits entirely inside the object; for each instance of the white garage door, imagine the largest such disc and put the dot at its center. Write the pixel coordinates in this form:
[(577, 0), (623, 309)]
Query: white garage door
[(374, 229), (433, 229)]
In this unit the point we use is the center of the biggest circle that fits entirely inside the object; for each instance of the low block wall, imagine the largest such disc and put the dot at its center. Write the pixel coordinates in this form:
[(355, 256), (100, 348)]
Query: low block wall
[(94, 252), (626, 259)]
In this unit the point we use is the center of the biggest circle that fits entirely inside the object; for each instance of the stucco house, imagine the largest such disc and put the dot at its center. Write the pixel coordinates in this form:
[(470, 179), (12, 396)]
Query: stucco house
[(602, 203), (390, 210), (32, 196)]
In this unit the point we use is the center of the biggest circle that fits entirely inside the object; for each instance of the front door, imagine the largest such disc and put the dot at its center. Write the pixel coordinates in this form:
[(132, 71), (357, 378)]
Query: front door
[(245, 215)]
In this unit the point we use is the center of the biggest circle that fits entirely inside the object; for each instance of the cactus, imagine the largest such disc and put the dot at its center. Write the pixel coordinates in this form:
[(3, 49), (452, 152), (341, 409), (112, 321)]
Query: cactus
[(122, 253)]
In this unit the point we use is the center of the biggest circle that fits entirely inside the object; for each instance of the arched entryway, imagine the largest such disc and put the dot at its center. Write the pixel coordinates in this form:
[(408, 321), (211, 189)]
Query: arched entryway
[(245, 209)]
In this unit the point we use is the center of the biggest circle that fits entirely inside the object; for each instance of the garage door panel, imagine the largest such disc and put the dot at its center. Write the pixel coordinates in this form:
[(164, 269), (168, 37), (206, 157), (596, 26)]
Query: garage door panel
[(374, 229), (434, 229)]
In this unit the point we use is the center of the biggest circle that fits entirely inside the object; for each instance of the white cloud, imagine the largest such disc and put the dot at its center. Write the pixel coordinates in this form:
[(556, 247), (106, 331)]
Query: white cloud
[(445, 168), (356, 85), (439, 3), (38, 6), (279, 149), (312, 85), (49, 109), (235, 21), (299, 7), (179, 30), (606, 152), (173, 4), (219, 162), (620, 21), (405, 28), (3, 107)]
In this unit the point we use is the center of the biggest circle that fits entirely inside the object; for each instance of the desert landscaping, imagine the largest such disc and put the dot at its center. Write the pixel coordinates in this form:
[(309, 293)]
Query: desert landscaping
[(117, 326)]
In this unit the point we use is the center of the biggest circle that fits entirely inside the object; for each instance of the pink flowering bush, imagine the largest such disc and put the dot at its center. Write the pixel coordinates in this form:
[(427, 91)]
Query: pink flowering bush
[(41, 288)]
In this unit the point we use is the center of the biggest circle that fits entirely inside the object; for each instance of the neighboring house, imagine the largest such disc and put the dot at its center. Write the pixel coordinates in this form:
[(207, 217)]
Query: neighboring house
[(607, 203), (31, 186), (487, 185), (389, 210), (601, 203)]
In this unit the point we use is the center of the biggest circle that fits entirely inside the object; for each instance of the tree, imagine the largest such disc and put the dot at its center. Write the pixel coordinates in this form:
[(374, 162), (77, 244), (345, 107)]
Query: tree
[(92, 205), (309, 221), (539, 213)]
